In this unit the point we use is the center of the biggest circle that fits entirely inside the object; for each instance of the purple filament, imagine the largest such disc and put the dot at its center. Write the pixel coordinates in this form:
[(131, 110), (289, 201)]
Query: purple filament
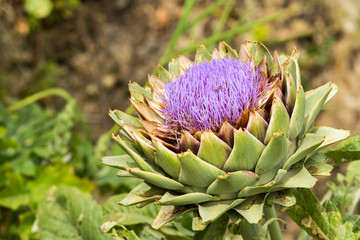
[(210, 93)]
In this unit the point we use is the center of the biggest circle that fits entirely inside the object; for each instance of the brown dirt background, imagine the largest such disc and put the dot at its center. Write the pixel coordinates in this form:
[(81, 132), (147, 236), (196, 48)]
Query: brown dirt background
[(106, 43)]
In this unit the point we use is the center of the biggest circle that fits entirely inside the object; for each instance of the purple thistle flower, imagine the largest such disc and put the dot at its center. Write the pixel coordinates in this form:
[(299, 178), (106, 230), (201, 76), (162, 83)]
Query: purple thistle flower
[(210, 93)]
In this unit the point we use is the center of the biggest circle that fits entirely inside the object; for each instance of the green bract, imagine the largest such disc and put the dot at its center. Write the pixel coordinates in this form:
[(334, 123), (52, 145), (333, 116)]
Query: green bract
[(238, 168)]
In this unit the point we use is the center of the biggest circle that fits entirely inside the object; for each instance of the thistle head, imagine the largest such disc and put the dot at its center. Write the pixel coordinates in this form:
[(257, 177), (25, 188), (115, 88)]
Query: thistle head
[(230, 129), (211, 93)]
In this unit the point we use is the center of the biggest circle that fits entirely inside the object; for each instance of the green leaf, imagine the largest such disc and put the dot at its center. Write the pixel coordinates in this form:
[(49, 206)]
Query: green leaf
[(156, 179), (215, 230), (57, 175), (252, 190), (232, 182), (212, 210), (184, 225), (184, 63), (128, 215), (202, 54), (169, 213), (292, 74), (195, 171), (356, 224), (256, 50), (252, 208), (251, 231), (162, 73), (213, 150), (306, 146), (121, 162), (174, 67), (145, 145), (279, 120), (346, 151), (272, 158), (298, 114), (224, 48), (67, 213), (319, 221), (257, 125), (146, 112), (38, 8), (314, 100), (246, 152), (142, 193), (197, 223), (143, 91), (332, 135), (290, 94), (13, 191), (185, 199), (121, 118), (353, 172), (118, 232), (346, 232), (3, 131), (346, 194), (145, 232), (318, 168), (294, 178), (166, 159), (24, 164), (284, 198), (108, 177), (147, 166), (26, 222), (9, 148)]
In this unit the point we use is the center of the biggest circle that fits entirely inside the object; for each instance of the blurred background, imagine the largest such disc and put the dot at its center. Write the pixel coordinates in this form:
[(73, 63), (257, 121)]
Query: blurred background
[(64, 63)]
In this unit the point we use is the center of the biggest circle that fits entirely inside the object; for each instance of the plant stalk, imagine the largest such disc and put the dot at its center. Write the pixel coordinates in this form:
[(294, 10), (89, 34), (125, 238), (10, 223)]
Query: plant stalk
[(205, 13), (239, 29), (188, 7), (37, 96), (274, 227)]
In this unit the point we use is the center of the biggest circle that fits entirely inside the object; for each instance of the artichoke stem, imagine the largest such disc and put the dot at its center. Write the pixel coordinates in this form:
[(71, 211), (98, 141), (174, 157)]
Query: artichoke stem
[(274, 227)]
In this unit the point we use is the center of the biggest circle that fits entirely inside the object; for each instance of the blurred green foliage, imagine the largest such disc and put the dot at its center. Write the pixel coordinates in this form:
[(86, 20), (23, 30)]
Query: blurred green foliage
[(319, 53), (41, 149), (44, 8), (38, 8), (52, 10), (49, 167), (34, 151)]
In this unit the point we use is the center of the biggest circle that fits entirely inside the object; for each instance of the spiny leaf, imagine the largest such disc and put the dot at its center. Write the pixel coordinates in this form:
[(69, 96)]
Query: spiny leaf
[(346, 151), (319, 221), (128, 215)]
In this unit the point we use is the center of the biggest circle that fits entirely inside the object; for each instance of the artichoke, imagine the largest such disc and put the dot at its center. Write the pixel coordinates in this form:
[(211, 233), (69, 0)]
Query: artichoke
[(224, 134)]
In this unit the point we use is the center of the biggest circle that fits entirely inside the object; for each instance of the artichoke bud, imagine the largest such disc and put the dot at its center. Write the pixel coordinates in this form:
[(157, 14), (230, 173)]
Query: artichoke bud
[(224, 134)]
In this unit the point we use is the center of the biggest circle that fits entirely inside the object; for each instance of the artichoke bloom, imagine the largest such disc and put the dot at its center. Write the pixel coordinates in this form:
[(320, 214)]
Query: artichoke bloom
[(224, 134)]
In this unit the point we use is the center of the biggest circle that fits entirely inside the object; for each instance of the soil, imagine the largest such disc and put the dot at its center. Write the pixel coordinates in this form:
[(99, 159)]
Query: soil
[(104, 44)]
